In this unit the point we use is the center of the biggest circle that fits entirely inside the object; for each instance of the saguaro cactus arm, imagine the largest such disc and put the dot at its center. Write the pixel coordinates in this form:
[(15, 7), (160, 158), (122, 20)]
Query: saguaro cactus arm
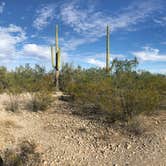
[(52, 56)]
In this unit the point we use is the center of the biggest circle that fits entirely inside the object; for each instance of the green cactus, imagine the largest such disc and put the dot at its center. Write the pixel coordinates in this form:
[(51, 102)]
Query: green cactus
[(52, 57), (108, 49), (55, 57)]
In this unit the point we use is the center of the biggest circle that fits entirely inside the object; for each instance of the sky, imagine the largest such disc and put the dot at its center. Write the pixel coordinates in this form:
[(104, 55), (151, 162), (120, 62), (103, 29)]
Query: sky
[(138, 29)]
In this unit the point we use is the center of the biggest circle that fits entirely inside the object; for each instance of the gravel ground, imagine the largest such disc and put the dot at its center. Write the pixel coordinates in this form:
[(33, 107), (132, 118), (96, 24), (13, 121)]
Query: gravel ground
[(64, 139)]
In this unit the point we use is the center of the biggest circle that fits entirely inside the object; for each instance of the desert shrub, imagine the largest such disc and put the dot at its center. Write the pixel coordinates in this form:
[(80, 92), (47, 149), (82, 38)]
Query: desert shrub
[(135, 126), (122, 103), (26, 78), (3, 79), (70, 74), (32, 79), (13, 93), (122, 95), (120, 66), (13, 103), (24, 155), (39, 101)]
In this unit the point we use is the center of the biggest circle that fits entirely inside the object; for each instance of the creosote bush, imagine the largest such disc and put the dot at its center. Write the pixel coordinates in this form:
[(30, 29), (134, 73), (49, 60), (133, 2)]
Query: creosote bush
[(39, 101), (26, 79), (122, 95), (13, 103)]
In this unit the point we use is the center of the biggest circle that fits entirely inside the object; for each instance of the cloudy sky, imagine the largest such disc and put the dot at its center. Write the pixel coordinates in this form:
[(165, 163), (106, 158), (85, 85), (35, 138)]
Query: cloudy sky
[(138, 28)]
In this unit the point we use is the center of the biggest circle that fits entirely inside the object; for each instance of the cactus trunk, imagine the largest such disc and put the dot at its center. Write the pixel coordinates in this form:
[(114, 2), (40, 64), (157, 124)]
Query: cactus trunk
[(108, 50), (55, 57)]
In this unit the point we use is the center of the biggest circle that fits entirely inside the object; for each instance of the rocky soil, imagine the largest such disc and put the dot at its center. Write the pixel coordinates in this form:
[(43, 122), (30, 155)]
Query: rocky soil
[(66, 139)]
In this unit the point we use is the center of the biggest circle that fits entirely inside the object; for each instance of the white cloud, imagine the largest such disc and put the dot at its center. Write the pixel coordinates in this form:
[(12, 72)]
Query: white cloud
[(12, 47), (160, 20), (93, 23), (35, 50), (150, 54), (72, 43), (43, 17), (99, 59), (2, 5), (12, 36), (96, 62)]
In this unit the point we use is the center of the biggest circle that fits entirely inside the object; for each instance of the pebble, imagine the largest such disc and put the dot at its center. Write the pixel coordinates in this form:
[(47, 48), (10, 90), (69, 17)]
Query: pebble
[(66, 144), (45, 162), (127, 146)]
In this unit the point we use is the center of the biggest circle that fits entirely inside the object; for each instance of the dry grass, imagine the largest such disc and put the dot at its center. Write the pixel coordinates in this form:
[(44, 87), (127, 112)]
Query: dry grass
[(24, 154), (13, 103), (39, 101), (136, 126), (9, 124)]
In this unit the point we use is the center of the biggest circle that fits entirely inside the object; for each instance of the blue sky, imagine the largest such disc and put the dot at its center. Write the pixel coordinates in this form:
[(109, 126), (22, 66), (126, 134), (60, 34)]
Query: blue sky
[(138, 28)]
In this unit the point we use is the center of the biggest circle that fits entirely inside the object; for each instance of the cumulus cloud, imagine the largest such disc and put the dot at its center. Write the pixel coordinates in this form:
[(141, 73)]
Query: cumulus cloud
[(12, 36), (99, 59), (150, 54), (12, 47), (96, 62), (35, 50), (2, 5), (43, 16)]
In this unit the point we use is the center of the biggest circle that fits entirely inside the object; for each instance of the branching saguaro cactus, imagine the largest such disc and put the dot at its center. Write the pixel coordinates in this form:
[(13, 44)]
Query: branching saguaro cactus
[(55, 58), (107, 49)]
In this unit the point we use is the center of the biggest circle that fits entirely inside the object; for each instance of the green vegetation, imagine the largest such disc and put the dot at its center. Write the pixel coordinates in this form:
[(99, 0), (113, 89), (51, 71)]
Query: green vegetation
[(121, 96), (25, 79)]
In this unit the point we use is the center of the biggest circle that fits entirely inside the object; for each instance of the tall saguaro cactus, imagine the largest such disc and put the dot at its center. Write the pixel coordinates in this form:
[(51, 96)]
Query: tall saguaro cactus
[(108, 49), (55, 58)]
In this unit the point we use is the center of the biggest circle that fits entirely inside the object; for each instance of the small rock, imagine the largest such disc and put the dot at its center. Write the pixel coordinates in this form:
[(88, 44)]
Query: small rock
[(45, 162), (118, 145), (127, 146), (157, 122)]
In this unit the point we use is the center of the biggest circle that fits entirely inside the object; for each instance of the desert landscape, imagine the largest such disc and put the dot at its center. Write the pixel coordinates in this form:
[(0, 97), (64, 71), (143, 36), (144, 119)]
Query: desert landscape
[(62, 138), (83, 83)]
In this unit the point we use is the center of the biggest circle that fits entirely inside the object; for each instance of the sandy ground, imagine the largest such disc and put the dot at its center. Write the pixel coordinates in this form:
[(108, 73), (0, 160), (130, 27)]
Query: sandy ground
[(65, 139)]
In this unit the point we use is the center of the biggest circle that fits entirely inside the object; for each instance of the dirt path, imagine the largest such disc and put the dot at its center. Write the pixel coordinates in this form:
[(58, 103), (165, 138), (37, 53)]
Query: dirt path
[(64, 139)]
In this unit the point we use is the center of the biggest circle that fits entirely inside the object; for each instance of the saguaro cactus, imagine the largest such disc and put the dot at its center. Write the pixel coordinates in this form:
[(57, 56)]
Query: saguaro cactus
[(55, 57), (108, 49)]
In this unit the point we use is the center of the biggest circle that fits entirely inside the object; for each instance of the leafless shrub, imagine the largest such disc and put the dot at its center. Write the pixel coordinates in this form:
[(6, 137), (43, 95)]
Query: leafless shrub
[(23, 155)]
